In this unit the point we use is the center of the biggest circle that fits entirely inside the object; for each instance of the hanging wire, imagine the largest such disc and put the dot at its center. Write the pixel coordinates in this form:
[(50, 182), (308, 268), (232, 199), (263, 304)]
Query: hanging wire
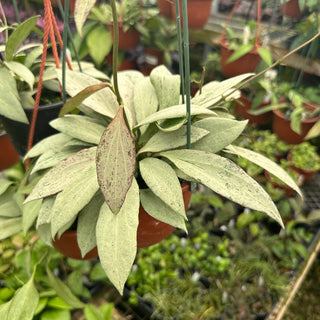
[(64, 48)]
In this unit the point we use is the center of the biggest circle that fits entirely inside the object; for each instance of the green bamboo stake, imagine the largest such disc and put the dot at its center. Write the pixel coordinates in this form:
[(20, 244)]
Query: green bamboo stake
[(64, 49), (16, 10)]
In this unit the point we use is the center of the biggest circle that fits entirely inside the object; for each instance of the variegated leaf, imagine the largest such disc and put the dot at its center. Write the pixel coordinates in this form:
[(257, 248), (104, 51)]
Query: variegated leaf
[(30, 212), (81, 11)]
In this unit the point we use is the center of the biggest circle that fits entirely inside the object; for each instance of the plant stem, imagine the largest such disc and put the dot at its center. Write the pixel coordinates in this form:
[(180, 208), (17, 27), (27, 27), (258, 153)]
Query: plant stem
[(64, 49), (16, 10), (115, 51)]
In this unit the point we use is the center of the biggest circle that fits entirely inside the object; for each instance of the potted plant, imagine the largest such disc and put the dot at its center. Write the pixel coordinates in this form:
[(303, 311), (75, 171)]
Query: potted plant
[(292, 8), (305, 159)]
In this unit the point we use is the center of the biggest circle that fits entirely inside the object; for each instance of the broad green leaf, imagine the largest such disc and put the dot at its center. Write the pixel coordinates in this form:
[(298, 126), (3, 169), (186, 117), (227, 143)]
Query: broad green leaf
[(240, 52), (115, 161), (134, 76), (79, 127), (159, 210), (91, 312), (117, 238), (81, 11), (163, 182), (167, 86), (44, 216), (4, 185), (171, 140), (4, 309), (25, 302), (58, 303), (74, 198), (314, 131), (33, 55), (9, 227), (178, 111), (10, 105), (56, 314), (266, 164), (63, 291), (107, 310), (41, 305), (44, 233), (171, 125), (18, 36), (8, 204), (22, 72), (225, 178), (60, 175), (75, 101), (87, 221), (30, 212), (265, 55), (222, 133), (296, 118), (104, 101)]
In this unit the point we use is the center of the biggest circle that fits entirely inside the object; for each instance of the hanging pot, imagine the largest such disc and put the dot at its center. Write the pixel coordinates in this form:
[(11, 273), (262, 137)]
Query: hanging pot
[(291, 9), (281, 126), (19, 132), (198, 12), (127, 39), (9, 155), (164, 7), (243, 108), (150, 231)]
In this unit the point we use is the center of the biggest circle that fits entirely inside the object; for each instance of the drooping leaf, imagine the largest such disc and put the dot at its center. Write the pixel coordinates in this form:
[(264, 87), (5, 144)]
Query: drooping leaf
[(63, 291), (9, 227), (70, 124), (225, 178), (222, 133), (22, 72), (30, 212), (81, 11), (116, 162), (171, 140), (117, 238), (266, 55), (44, 216), (240, 52), (74, 198), (314, 131), (266, 164), (60, 175)]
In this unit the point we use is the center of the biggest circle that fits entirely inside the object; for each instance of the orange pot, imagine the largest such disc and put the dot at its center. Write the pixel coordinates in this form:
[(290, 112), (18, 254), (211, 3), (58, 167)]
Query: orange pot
[(291, 9), (127, 39), (164, 7), (9, 155)]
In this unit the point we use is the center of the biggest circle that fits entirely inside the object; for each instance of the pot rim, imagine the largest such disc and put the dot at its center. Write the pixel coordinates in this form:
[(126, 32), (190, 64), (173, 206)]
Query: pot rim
[(46, 106)]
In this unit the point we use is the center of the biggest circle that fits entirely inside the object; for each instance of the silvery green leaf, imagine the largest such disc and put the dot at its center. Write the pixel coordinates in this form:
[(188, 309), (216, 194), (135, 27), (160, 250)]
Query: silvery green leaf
[(33, 55), (264, 163), (9, 227), (44, 233), (4, 185), (87, 222), (171, 140), (60, 175), (178, 111), (133, 75), (116, 160), (163, 182), (222, 133), (154, 206), (167, 86), (74, 198), (29, 214), (314, 131), (79, 127), (22, 72), (8, 205), (225, 178), (81, 12), (171, 125), (103, 101), (44, 216), (117, 238)]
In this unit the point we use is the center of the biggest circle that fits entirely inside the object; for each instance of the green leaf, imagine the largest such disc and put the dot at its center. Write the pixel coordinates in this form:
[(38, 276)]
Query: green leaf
[(74, 198), (266, 164), (265, 55), (117, 238), (163, 182), (167, 86), (63, 291), (81, 12), (91, 312), (10, 105), (296, 118), (178, 111), (22, 72), (30, 212), (9, 227), (159, 210), (225, 178), (171, 125), (18, 36), (41, 305), (4, 185), (33, 55), (56, 315), (171, 140), (314, 131), (87, 221), (75, 101), (107, 310), (79, 127), (240, 52), (58, 303), (222, 133), (116, 162), (4, 309), (62, 174), (8, 204), (25, 302)]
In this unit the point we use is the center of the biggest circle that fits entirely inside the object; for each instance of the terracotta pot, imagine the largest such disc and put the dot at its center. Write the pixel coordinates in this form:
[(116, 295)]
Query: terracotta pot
[(198, 12), (242, 110), (164, 7), (127, 39), (281, 126), (245, 64), (9, 155), (150, 231), (125, 64), (291, 9)]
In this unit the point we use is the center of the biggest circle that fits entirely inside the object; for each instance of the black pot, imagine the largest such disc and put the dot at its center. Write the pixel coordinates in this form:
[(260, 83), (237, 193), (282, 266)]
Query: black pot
[(19, 132)]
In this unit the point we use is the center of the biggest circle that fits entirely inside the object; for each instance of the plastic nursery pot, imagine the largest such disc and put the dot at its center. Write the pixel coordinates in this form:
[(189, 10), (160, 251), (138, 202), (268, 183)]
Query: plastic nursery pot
[(245, 64), (127, 39), (198, 12), (164, 7), (67, 245), (19, 132), (242, 110), (151, 230), (281, 126), (291, 9), (9, 155)]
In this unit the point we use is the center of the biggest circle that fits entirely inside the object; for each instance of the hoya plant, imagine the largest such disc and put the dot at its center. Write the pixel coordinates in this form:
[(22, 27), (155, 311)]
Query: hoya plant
[(134, 146)]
